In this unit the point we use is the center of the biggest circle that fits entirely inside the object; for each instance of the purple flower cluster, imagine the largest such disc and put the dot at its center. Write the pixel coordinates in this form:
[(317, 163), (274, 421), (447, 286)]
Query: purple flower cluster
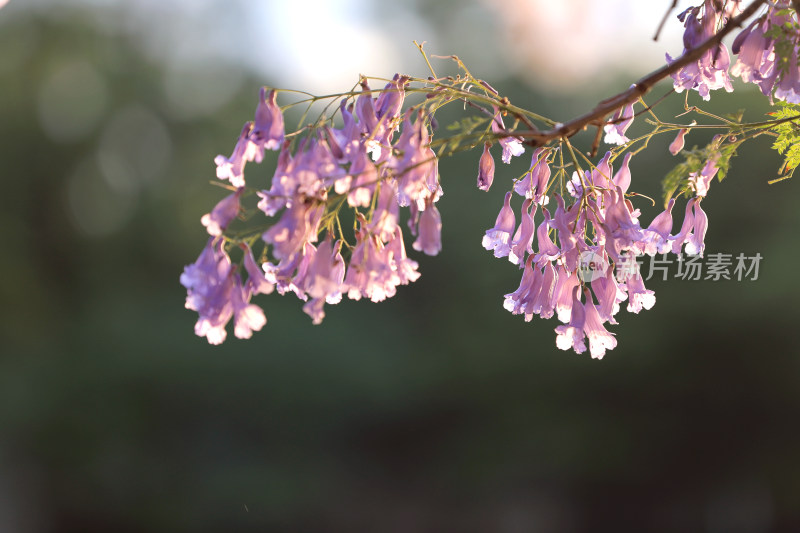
[(578, 259), (599, 225), (710, 72), (757, 59), (359, 164), (216, 292)]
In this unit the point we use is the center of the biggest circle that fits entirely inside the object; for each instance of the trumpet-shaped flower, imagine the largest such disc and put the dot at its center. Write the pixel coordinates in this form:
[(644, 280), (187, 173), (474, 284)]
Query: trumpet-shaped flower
[(710, 71), (429, 231), (572, 334), (268, 128), (618, 125), (485, 168), (498, 237), (223, 213)]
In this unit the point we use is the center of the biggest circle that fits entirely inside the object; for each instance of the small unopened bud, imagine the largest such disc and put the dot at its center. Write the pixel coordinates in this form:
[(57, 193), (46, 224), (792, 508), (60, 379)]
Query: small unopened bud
[(677, 145), (485, 169)]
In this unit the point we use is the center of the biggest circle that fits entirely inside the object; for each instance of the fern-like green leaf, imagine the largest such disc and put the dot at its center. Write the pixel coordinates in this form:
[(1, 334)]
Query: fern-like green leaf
[(787, 142)]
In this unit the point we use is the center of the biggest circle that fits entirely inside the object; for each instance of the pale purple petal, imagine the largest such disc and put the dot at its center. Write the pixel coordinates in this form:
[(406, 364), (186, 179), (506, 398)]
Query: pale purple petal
[(677, 145), (429, 233), (695, 244), (223, 213), (618, 125), (485, 169), (686, 228), (600, 339), (232, 168), (572, 335), (498, 237), (268, 128), (256, 280), (622, 178), (523, 238)]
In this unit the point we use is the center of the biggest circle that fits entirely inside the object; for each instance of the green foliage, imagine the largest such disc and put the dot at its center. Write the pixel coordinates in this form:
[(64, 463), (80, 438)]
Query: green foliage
[(787, 142), (726, 152), (737, 117), (463, 129), (678, 178), (785, 37)]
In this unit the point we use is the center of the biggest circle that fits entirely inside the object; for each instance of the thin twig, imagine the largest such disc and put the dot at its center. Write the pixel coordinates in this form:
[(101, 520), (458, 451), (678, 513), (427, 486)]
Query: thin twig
[(664, 20)]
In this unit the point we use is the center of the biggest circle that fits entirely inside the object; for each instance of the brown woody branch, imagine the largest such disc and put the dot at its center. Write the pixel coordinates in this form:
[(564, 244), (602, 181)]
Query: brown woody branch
[(597, 117)]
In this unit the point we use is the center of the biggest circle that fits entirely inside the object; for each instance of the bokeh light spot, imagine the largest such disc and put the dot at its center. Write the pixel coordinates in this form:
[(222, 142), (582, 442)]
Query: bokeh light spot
[(72, 100)]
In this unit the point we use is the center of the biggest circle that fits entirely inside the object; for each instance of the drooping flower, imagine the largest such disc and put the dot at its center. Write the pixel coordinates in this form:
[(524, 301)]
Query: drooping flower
[(686, 228), (429, 232), (324, 279), (256, 280), (542, 302), (618, 125), (485, 168), (710, 71), (534, 183), (600, 339), (657, 235), (348, 138), (268, 128), (514, 301), (297, 225), (569, 224), (365, 109), (405, 269), (232, 168), (759, 63), (639, 297), (677, 145), (247, 317), (620, 228), (387, 211), (370, 272), (310, 173), (523, 238), (209, 283), (283, 184), (602, 174), (547, 250), (326, 272), (289, 274), (572, 335), (390, 100), (599, 177), (359, 185), (564, 297), (223, 213), (609, 295), (695, 243), (622, 178), (417, 170), (753, 50), (701, 181), (534, 294), (387, 109), (512, 146), (788, 88), (498, 237)]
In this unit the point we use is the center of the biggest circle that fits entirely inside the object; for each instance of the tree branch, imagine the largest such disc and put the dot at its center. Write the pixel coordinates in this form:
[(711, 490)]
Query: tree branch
[(640, 88)]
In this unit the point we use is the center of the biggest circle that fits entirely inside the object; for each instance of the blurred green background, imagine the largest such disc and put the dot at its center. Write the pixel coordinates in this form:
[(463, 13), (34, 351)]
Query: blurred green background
[(434, 411)]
